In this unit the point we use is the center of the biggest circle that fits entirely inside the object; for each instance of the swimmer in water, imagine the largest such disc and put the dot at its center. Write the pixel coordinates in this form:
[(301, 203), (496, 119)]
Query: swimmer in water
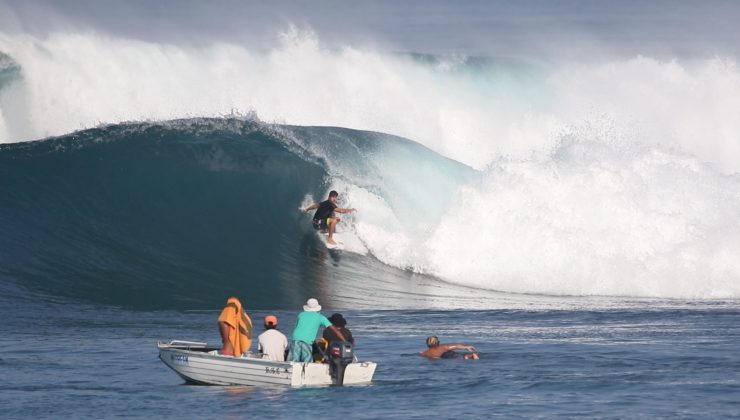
[(436, 350)]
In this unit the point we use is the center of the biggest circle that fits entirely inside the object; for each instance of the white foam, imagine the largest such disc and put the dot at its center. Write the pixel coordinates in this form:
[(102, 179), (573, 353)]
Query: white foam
[(619, 222), (473, 114)]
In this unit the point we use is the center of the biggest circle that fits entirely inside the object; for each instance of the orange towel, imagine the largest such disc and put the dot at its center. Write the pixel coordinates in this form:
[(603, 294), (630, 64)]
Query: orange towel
[(240, 333)]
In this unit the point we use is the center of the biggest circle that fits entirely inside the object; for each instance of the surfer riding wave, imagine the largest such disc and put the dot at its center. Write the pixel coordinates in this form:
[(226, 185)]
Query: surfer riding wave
[(324, 218)]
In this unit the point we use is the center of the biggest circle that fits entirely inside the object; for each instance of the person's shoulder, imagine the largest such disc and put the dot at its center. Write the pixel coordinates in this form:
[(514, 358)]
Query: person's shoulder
[(319, 316), (272, 332), (305, 315)]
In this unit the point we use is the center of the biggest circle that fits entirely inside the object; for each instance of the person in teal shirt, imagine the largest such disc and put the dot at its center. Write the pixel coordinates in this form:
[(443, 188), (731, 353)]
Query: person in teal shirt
[(306, 327)]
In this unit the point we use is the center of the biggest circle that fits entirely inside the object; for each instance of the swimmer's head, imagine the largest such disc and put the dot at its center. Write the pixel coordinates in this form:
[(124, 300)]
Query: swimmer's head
[(432, 341)]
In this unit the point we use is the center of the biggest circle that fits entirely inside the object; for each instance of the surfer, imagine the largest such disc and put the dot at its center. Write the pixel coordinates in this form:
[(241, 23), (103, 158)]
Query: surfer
[(324, 218), (447, 351)]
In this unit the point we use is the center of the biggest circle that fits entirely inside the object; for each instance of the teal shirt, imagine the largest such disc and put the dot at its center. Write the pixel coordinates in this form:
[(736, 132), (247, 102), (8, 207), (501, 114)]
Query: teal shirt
[(307, 326)]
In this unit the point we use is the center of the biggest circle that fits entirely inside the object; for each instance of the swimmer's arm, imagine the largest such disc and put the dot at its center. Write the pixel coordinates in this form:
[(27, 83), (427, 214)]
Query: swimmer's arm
[(460, 347)]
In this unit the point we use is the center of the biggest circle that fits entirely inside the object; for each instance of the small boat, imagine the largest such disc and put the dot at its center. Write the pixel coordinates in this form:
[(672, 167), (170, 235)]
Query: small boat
[(200, 363)]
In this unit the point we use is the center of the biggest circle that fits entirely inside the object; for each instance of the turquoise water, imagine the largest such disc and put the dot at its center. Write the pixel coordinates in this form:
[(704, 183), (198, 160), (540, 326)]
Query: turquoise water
[(179, 215)]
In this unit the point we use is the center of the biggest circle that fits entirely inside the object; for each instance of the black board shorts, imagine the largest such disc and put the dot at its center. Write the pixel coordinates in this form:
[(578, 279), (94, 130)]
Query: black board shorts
[(320, 224)]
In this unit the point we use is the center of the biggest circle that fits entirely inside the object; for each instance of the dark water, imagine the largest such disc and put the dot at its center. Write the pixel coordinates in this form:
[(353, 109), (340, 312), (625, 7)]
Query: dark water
[(661, 361), (181, 214)]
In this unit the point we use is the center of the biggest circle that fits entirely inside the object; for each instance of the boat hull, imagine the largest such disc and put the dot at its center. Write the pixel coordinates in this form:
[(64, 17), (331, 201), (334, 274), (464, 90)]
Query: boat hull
[(195, 364)]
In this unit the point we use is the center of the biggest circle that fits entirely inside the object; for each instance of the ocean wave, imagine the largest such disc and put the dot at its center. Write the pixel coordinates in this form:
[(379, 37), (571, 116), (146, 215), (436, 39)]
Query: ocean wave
[(139, 213)]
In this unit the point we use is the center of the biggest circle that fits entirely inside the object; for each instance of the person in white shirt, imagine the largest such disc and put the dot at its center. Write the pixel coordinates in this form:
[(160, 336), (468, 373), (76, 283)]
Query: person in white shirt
[(272, 343)]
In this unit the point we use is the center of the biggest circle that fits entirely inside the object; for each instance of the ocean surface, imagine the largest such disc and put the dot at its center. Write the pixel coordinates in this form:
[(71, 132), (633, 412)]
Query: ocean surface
[(642, 360), (571, 211)]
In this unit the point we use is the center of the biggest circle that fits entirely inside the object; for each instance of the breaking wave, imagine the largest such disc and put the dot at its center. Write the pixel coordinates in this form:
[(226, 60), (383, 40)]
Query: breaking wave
[(598, 178)]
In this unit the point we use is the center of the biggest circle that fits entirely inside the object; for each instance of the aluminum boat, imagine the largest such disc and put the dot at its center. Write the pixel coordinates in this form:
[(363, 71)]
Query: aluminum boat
[(200, 363)]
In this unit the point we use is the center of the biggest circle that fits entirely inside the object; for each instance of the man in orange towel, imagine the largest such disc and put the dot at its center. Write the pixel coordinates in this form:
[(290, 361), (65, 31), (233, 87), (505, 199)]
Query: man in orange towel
[(235, 328)]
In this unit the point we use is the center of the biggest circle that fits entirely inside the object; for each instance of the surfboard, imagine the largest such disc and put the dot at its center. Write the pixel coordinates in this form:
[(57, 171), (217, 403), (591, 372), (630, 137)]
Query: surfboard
[(337, 239)]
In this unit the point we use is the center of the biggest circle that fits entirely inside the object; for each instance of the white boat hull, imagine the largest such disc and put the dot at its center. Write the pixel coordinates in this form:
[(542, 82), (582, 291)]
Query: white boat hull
[(195, 364)]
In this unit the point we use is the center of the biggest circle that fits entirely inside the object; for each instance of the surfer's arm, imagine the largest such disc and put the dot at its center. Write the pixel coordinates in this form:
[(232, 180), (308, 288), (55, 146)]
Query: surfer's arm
[(341, 210), (311, 207)]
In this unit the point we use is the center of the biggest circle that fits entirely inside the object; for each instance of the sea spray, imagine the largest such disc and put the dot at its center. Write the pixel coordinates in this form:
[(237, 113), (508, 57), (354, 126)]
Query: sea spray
[(632, 222), (474, 110)]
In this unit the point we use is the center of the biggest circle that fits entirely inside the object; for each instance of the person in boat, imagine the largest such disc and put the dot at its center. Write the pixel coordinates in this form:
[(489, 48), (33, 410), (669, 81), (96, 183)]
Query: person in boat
[(321, 345), (436, 350), (324, 218), (235, 327), (307, 326), (341, 325), (272, 343)]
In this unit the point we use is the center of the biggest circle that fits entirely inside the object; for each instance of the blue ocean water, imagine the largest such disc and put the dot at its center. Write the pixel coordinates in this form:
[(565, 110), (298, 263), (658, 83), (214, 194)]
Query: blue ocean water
[(655, 359)]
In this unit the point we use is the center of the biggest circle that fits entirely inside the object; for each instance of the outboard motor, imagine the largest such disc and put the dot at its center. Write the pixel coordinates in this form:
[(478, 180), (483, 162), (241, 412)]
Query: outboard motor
[(340, 355)]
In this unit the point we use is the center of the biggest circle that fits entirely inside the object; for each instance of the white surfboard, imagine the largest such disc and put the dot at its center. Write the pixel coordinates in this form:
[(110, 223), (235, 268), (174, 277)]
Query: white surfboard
[(339, 244)]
